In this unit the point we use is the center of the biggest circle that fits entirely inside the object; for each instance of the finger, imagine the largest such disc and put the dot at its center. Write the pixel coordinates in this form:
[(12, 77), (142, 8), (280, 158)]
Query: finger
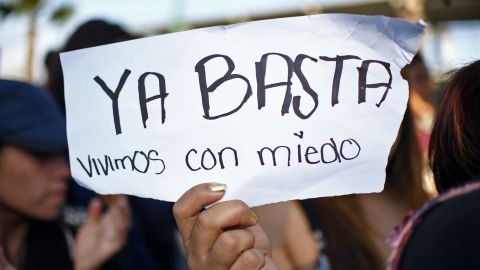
[(119, 214), (251, 259), (121, 207), (116, 225), (124, 207), (110, 199), (262, 242), (192, 202), (116, 200), (229, 246), (269, 264), (94, 210), (214, 221)]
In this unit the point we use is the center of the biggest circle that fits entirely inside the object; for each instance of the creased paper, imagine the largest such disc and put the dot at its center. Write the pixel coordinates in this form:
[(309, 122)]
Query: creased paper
[(279, 109)]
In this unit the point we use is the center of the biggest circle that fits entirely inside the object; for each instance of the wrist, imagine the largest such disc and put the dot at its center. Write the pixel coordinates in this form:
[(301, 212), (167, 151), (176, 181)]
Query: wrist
[(85, 264)]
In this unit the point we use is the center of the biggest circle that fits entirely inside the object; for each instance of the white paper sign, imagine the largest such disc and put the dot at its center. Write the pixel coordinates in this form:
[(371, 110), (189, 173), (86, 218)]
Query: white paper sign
[(278, 109)]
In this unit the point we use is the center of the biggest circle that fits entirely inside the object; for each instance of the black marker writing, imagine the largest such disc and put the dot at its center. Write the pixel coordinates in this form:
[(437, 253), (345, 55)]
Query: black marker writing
[(338, 73), (362, 81), (139, 162), (292, 68), (297, 67), (143, 96), (326, 153), (208, 159), (114, 97), (205, 90), (261, 69)]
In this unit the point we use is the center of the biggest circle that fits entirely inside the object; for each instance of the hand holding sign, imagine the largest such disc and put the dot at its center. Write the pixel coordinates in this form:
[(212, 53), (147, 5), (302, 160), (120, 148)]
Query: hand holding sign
[(224, 236), (300, 107)]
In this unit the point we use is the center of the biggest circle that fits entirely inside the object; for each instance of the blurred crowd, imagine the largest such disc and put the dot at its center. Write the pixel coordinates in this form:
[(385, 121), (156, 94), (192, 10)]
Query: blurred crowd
[(426, 217)]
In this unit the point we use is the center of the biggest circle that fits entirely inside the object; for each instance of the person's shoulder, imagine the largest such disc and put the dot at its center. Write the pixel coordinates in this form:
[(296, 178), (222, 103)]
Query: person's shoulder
[(448, 234)]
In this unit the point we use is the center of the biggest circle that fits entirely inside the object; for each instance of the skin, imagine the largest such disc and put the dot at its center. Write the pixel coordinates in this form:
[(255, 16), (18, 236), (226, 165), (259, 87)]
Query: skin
[(42, 183), (420, 83), (292, 240), (218, 237), (223, 236), (33, 187)]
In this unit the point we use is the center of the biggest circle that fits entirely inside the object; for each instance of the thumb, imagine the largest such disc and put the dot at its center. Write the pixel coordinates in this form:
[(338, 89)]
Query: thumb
[(94, 210)]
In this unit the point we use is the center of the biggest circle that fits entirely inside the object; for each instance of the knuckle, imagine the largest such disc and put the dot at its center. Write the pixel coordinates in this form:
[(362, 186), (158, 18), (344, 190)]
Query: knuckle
[(228, 242), (240, 207), (250, 239), (203, 221), (251, 258)]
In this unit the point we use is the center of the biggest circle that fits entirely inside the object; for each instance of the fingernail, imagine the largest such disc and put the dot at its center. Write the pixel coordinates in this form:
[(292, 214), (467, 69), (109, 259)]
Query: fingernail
[(255, 216), (217, 187)]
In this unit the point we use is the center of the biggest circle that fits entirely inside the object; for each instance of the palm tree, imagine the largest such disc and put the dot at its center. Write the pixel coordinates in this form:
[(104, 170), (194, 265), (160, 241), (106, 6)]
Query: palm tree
[(31, 8)]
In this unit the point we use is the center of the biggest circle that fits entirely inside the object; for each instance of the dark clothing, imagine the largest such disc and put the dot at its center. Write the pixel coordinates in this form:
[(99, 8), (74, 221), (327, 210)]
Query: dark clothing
[(151, 243), (46, 247), (445, 234), (153, 219)]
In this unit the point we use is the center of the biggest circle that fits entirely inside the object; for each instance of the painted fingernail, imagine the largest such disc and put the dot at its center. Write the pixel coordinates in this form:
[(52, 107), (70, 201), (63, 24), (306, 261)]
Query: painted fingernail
[(255, 216), (217, 187)]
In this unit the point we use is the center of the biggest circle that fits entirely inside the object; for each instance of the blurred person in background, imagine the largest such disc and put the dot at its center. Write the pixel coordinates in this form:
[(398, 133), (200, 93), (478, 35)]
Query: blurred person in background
[(33, 186), (423, 94), (89, 34), (423, 100), (152, 238), (444, 234)]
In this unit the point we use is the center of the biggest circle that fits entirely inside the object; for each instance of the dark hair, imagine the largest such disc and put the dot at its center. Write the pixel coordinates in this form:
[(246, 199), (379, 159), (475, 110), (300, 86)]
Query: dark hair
[(404, 171), (454, 154), (90, 34)]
